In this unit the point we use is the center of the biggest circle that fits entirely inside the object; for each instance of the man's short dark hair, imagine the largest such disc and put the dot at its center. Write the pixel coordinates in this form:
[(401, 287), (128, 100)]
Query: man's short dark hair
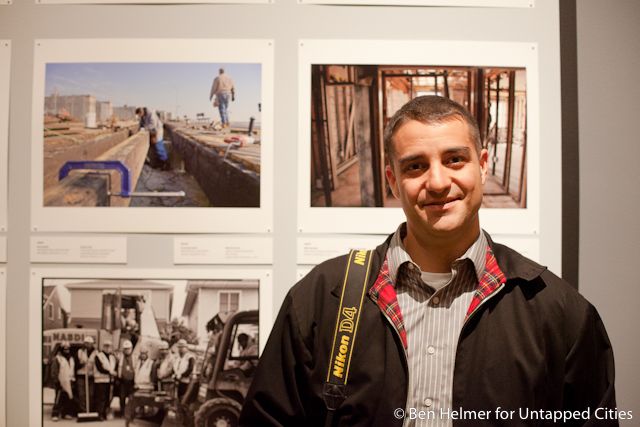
[(429, 109)]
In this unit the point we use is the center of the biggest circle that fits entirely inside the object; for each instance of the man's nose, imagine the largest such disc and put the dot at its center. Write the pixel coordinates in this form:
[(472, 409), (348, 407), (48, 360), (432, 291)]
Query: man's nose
[(438, 179)]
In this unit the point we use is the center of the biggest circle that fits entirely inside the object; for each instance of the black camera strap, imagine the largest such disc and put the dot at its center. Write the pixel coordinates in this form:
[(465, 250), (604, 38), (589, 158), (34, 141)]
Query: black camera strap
[(353, 290)]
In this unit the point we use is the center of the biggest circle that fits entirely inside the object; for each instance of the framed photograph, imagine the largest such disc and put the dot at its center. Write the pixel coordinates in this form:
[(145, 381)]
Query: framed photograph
[(129, 345), (5, 75), (349, 90), (3, 345), (446, 3), (152, 135)]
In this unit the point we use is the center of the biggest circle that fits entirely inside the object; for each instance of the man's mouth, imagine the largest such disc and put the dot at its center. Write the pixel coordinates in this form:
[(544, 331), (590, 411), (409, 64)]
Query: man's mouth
[(440, 204)]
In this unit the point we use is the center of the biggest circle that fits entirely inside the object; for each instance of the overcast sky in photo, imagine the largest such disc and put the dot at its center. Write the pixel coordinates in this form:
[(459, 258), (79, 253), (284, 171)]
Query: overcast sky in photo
[(179, 88)]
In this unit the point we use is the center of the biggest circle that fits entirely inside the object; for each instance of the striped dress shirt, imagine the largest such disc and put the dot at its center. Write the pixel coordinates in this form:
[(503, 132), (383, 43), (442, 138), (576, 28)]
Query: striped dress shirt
[(433, 319)]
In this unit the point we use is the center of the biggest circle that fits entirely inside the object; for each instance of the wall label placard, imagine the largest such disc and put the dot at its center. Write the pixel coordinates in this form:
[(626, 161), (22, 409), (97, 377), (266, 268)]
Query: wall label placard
[(98, 250), (316, 249), (223, 250)]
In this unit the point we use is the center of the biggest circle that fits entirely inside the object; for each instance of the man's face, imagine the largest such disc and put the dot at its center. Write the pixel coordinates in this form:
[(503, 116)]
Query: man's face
[(127, 351), (438, 176), (88, 346), (143, 355), (182, 350)]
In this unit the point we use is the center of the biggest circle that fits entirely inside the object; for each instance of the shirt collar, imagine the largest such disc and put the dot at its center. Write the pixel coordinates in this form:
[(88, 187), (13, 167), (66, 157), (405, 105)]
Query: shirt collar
[(397, 254)]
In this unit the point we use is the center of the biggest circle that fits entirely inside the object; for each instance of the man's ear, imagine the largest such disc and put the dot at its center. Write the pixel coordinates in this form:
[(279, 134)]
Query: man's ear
[(392, 180), (484, 164)]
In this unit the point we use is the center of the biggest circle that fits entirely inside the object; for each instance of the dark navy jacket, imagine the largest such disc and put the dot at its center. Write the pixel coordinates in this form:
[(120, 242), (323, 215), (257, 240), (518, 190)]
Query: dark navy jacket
[(537, 344)]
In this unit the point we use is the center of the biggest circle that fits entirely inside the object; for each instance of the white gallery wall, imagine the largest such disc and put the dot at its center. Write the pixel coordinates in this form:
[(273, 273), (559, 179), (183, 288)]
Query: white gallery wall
[(286, 22)]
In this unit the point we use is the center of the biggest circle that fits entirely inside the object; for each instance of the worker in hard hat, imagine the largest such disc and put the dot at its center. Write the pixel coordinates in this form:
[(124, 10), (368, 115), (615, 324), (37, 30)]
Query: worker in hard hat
[(183, 367), (126, 374), (144, 375), (163, 368), (85, 374), (63, 377), (105, 371)]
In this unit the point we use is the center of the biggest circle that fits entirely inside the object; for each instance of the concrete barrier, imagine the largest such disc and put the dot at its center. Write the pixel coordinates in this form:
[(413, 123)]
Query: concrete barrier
[(226, 183), (87, 188)]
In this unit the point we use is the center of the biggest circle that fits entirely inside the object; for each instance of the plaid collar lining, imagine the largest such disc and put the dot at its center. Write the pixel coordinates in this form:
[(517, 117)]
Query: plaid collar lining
[(383, 292)]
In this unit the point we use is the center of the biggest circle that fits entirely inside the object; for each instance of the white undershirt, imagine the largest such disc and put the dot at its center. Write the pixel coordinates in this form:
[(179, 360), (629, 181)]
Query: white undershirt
[(436, 280)]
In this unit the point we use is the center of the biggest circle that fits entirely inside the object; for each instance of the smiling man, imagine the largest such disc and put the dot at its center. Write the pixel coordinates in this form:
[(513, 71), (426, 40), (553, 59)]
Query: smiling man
[(454, 329)]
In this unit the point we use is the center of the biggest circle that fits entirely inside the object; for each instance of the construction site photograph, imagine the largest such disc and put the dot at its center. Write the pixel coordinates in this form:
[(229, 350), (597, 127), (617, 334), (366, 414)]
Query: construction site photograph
[(147, 352), (152, 134), (352, 104)]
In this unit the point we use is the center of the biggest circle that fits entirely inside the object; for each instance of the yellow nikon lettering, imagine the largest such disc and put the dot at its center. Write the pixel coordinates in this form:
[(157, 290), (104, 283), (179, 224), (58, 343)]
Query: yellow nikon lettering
[(346, 324), (360, 257), (341, 357)]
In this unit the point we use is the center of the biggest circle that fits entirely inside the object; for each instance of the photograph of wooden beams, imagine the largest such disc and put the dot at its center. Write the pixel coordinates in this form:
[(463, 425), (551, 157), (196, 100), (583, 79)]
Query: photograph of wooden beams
[(217, 318), (350, 89), (5, 67), (447, 3), (129, 135), (347, 146)]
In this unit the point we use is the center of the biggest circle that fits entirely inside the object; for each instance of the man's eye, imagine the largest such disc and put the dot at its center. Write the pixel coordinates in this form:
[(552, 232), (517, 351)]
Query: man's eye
[(456, 160), (414, 167)]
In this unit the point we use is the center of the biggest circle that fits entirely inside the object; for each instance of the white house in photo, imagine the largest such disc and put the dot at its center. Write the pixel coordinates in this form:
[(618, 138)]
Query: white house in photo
[(206, 298)]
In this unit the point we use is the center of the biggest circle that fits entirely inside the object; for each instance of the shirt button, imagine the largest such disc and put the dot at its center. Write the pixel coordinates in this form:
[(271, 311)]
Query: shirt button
[(431, 349), (435, 300), (428, 402)]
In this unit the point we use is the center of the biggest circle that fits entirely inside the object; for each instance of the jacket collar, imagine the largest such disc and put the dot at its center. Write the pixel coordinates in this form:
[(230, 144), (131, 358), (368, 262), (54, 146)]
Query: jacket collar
[(512, 264)]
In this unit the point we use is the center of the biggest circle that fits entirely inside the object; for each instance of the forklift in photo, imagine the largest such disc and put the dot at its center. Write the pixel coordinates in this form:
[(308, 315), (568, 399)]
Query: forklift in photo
[(225, 379)]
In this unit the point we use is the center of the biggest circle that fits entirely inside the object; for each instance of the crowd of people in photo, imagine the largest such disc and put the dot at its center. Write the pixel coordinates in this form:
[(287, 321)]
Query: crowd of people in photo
[(90, 380)]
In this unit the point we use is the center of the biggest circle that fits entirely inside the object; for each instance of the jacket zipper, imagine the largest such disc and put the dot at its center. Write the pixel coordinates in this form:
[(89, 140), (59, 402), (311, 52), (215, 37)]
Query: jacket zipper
[(464, 325), (480, 305), (406, 357), (404, 350)]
